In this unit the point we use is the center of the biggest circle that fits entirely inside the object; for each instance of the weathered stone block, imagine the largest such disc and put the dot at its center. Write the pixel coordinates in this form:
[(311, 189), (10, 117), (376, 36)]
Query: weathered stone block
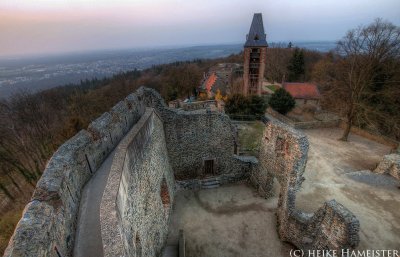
[(34, 233), (390, 164)]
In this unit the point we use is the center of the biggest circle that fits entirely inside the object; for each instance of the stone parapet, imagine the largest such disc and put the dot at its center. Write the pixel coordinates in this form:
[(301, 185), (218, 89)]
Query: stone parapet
[(51, 216)]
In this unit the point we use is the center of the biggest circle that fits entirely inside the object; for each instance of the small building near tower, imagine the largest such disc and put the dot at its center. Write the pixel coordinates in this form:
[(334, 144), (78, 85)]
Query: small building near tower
[(255, 51), (303, 93)]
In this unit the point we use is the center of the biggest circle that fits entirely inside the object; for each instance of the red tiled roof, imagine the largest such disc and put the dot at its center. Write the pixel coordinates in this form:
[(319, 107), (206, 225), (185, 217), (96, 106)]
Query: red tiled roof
[(302, 90), (209, 83)]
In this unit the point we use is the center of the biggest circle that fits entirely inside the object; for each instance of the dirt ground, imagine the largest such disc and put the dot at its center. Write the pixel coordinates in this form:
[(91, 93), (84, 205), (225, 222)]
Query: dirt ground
[(332, 172), (234, 221), (229, 221)]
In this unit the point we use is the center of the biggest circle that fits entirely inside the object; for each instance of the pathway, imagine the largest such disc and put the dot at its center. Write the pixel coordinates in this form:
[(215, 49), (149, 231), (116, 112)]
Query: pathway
[(88, 242)]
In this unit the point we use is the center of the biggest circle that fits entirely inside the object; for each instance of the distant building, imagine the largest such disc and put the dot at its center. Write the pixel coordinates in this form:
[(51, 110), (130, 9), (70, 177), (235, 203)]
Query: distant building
[(220, 77), (210, 84), (226, 71), (303, 93), (255, 50)]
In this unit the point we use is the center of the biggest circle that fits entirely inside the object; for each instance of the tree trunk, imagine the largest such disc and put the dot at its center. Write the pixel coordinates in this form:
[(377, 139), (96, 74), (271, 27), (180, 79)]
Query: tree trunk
[(346, 131)]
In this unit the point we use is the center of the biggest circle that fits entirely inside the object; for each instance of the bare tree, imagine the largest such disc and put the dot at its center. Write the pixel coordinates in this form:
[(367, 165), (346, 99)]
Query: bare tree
[(278, 57), (368, 56)]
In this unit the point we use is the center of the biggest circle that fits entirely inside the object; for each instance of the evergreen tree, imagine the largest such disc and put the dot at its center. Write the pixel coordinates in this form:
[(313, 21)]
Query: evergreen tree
[(281, 101), (257, 105), (290, 45), (296, 66)]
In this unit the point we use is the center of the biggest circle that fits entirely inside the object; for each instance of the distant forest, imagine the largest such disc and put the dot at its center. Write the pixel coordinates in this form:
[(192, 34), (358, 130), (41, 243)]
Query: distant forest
[(34, 125)]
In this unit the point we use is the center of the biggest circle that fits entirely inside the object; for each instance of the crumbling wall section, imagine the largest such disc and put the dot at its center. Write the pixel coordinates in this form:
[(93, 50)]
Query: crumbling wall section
[(390, 165), (283, 156), (134, 218), (48, 223)]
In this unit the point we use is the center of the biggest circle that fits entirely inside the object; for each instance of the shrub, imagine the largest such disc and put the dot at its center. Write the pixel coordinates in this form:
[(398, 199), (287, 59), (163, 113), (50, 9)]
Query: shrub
[(237, 104), (252, 106), (281, 101)]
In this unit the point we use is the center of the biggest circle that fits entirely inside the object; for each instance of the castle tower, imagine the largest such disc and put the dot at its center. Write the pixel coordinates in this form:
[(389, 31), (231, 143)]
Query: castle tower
[(255, 50)]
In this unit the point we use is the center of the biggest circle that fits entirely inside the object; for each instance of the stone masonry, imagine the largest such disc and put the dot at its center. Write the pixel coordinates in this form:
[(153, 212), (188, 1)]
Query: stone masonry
[(164, 150), (138, 222), (283, 156), (390, 164), (48, 223)]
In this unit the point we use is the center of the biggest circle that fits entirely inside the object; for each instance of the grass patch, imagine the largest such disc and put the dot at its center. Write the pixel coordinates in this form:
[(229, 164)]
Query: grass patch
[(273, 88), (8, 221), (250, 136)]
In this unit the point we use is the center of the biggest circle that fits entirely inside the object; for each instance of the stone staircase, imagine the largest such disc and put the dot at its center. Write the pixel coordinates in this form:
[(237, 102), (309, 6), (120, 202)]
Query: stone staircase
[(171, 251), (176, 247), (210, 183)]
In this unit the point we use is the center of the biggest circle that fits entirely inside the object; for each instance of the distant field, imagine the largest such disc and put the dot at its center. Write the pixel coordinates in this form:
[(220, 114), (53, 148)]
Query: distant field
[(37, 73), (42, 72)]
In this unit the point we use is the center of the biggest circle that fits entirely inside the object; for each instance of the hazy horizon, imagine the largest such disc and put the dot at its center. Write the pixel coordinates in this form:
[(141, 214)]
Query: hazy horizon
[(148, 48), (47, 27)]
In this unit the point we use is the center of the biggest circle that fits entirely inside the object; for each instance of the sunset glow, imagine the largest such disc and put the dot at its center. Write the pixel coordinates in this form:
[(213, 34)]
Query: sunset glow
[(72, 25)]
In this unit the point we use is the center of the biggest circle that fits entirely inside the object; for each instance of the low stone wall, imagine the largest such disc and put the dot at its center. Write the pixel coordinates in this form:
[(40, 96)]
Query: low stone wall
[(134, 219), (283, 155), (329, 124), (316, 124), (377, 138), (303, 124), (279, 116), (48, 223), (390, 164)]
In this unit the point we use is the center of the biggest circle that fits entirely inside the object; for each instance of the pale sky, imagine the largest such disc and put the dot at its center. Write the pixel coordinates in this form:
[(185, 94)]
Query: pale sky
[(49, 26)]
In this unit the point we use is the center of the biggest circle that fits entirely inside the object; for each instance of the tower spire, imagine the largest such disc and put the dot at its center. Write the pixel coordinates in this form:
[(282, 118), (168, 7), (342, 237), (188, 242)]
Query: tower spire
[(256, 36), (255, 52)]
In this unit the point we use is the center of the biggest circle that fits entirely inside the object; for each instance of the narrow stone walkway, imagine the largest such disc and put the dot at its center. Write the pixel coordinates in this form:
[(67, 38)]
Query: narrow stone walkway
[(88, 242)]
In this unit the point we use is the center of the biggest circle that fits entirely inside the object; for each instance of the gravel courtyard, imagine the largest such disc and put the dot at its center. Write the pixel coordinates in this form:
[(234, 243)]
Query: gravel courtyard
[(234, 221), (333, 172), (229, 221)]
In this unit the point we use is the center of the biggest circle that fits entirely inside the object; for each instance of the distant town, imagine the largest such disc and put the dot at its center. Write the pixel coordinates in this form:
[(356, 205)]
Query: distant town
[(37, 73)]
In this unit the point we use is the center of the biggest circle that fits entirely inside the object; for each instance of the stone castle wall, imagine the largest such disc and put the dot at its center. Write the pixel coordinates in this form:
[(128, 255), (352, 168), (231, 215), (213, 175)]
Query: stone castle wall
[(161, 143), (134, 220), (49, 220), (283, 156), (48, 223), (195, 136), (198, 105)]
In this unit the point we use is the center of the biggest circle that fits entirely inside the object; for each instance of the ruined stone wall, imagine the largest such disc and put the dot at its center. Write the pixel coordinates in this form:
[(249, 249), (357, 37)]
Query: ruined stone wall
[(195, 136), (48, 223), (390, 165), (49, 220), (283, 155), (199, 105), (134, 219)]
